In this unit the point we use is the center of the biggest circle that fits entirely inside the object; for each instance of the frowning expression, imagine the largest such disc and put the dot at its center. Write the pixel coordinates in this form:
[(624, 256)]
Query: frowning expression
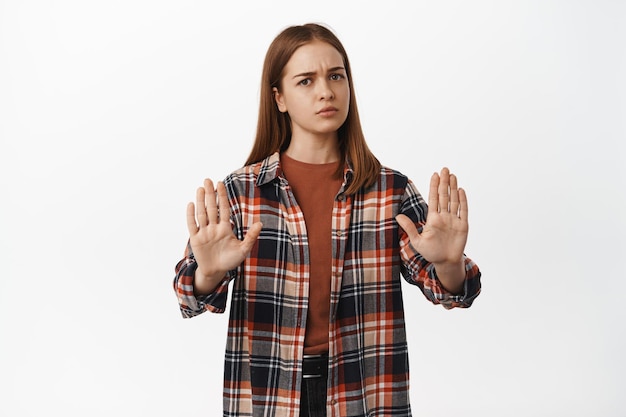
[(314, 91)]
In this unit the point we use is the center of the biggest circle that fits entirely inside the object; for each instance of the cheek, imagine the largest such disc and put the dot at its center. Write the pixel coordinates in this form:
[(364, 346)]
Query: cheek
[(299, 110), (346, 92)]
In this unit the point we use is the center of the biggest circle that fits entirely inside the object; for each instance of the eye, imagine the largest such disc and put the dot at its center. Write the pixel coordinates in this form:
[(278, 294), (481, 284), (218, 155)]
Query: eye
[(336, 77), (305, 82)]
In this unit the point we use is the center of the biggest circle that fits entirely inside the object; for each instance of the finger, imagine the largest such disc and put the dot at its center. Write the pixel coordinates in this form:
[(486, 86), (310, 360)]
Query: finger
[(191, 219), (222, 198), (408, 226), (251, 236), (464, 210), (200, 208), (454, 195), (444, 193), (433, 198), (209, 198)]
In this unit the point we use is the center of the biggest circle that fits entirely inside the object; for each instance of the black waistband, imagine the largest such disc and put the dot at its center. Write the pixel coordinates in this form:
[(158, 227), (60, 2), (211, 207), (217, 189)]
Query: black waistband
[(315, 366)]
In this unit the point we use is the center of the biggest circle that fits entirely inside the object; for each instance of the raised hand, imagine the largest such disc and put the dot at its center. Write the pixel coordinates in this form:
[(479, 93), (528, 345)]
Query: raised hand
[(215, 246), (443, 237)]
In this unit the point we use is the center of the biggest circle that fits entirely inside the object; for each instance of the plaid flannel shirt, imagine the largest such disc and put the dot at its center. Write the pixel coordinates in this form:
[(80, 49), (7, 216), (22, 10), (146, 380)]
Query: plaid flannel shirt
[(368, 357)]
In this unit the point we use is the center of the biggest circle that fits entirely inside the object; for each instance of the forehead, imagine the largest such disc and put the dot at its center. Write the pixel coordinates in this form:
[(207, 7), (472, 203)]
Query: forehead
[(312, 57)]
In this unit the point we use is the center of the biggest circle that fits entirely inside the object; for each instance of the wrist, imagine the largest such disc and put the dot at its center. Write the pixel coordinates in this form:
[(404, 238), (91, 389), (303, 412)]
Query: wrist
[(451, 275), (204, 283)]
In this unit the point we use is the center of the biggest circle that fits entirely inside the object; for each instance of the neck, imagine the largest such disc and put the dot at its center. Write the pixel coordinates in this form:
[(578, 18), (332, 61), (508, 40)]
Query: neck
[(314, 149)]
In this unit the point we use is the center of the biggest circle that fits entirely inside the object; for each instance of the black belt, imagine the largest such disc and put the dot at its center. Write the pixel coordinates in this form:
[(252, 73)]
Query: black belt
[(315, 366)]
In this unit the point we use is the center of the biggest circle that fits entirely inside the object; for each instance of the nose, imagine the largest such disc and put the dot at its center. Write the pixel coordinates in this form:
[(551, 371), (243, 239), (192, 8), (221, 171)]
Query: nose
[(326, 92)]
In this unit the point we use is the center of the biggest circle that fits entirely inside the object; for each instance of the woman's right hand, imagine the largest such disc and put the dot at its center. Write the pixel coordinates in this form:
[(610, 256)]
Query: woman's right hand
[(215, 247)]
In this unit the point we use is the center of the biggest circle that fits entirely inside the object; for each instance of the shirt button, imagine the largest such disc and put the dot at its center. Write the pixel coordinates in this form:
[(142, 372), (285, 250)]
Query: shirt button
[(340, 197), (339, 233), (333, 402)]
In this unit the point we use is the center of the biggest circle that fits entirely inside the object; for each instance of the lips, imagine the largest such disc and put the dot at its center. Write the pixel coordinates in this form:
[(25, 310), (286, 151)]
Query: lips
[(328, 111)]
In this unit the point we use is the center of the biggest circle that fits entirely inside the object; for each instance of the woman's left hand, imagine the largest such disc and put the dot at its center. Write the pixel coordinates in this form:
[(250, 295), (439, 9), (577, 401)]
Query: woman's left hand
[(443, 237)]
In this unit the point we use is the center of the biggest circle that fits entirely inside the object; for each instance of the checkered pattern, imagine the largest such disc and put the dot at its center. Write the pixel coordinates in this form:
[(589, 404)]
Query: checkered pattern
[(368, 357)]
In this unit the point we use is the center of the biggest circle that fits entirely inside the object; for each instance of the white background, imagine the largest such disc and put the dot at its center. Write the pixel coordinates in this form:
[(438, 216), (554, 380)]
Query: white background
[(112, 113)]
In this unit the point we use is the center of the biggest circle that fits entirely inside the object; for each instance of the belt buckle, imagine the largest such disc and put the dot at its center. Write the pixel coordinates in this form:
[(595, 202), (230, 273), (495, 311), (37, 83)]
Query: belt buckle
[(318, 356), (311, 357)]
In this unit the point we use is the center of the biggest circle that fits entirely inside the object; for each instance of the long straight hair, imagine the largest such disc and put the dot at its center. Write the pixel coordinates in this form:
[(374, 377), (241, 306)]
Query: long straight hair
[(274, 128)]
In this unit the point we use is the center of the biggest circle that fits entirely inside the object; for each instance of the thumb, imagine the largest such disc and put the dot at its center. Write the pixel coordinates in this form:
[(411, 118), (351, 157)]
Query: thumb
[(409, 227), (251, 236)]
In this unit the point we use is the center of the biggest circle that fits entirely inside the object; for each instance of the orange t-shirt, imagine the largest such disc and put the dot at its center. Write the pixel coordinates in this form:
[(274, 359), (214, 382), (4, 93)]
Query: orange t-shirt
[(315, 187)]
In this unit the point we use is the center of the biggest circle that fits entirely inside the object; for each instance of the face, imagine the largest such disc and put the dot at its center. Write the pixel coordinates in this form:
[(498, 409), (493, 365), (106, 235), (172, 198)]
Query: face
[(314, 91)]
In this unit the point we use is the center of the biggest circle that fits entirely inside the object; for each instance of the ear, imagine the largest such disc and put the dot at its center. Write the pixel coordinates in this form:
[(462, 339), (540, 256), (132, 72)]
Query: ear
[(280, 100)]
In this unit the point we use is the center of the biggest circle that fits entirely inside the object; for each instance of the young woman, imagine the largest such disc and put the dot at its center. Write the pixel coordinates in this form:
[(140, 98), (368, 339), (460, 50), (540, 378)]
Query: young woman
[(314, 234)]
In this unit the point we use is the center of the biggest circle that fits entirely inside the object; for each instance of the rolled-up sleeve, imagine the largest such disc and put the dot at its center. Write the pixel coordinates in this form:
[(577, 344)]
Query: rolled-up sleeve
[(190, 304)]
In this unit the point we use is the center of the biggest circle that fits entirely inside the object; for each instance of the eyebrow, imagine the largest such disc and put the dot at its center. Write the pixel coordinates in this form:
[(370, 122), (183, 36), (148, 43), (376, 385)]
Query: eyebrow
[(308, 74)]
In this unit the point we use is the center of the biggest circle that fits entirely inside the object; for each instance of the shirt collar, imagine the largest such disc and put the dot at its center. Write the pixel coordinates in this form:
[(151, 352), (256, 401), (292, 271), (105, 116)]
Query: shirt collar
[(270, 169)]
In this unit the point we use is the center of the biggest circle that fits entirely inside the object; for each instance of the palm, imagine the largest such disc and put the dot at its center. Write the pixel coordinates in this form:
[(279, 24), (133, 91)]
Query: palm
[(215, 246), (444, 235)]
